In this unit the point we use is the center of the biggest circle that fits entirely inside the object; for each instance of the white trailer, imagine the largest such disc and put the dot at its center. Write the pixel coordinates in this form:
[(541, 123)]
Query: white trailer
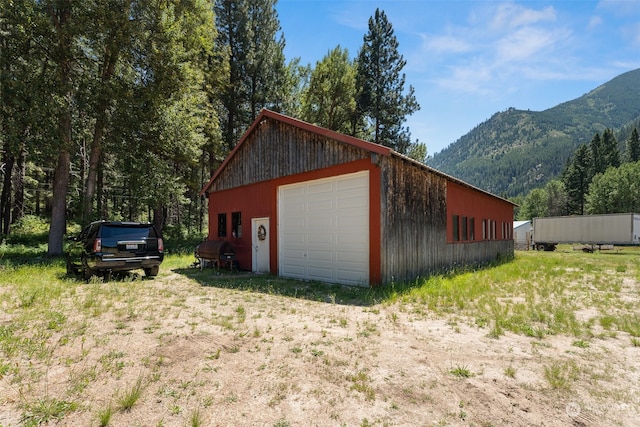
[(595, 230)]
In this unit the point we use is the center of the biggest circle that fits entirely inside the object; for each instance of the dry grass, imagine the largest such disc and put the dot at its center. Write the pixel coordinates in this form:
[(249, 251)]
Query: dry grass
[(546, 339)]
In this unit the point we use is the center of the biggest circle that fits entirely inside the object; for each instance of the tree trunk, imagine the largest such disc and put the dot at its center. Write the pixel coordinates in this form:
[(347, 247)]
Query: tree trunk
[(61, 15), (108, 67), (59, 203), (18, 194), (94, 158), (158, 217), (5, 198), (102, 203)]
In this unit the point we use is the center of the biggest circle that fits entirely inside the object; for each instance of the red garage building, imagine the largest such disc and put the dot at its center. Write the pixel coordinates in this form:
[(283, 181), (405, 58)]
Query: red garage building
[(301, 201)]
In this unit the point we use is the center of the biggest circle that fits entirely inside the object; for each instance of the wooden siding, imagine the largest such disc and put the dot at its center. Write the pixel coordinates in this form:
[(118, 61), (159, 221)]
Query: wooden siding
[(414, 225), (276, 149)]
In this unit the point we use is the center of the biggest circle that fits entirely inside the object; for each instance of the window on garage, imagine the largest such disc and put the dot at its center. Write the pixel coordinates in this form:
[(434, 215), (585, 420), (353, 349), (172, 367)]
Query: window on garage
[(222, 225), (456, 228), (465, 234), (236, 224)]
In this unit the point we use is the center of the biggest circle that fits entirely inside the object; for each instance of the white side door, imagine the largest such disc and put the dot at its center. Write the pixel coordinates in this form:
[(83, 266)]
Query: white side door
[(260, 244)]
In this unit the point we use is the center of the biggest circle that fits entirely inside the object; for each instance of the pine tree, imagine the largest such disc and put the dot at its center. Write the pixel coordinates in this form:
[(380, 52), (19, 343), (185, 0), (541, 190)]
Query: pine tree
[(633, 147), (63, 41), (611, 151), (576, 178), (20, 102), (248, 30), (598, 164), (381, 98), (109, 34)]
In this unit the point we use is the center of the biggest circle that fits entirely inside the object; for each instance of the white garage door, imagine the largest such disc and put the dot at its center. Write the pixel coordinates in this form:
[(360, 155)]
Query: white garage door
[(323, 229)]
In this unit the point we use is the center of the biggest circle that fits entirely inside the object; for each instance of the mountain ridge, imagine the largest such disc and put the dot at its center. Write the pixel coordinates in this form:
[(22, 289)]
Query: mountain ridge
[(516, 150)]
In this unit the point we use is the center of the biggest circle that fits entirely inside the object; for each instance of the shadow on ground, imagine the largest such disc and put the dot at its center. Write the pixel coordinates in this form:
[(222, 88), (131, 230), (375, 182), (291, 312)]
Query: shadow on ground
[(268, 284)]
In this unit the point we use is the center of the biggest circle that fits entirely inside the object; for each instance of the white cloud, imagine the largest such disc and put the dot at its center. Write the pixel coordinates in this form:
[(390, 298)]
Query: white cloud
[(510, 15), (526, 43), (445, 44), (471, 78)]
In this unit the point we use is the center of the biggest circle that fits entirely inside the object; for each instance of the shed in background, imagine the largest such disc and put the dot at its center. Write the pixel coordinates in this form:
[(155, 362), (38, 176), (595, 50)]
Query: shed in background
[(522, 235)]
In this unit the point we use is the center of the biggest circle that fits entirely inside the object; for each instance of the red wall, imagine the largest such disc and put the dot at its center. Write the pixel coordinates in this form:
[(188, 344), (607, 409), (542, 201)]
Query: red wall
[(260, 200), (467, 202)]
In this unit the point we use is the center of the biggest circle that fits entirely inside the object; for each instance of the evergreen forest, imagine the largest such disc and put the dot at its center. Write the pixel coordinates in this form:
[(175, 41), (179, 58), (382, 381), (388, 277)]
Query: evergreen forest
[(123, 109)]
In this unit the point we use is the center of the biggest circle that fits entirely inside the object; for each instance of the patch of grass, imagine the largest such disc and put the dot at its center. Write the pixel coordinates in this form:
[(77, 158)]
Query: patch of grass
[(461, 371), (127, 399), (361, 383), (241, 314), (112, 361), (631, 325), (42, 411), (368, 328), (104, 416), (561, 375), (196, 418), (607, 321), (510, 371), (581, 344), (79, 381)]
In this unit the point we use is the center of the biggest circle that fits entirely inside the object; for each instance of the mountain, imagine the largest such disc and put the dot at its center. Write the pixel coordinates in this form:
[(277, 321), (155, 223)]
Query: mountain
[(516, 150)]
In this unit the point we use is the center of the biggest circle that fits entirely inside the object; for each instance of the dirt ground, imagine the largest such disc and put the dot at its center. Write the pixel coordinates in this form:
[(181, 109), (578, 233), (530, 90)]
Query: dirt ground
[(212, 356)]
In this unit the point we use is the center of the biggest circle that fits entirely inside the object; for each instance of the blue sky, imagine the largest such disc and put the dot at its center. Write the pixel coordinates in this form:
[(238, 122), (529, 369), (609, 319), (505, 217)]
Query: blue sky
[(470, 59)]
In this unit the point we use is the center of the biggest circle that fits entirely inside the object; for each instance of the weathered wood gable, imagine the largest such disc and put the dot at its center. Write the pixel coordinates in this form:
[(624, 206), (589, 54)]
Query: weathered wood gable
[(275, 149)]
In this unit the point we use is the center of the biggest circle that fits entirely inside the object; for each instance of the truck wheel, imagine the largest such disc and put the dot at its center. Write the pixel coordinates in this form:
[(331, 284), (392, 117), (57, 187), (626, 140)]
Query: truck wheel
[(72, 270), (88, 273), (540, 247), (152, 271)]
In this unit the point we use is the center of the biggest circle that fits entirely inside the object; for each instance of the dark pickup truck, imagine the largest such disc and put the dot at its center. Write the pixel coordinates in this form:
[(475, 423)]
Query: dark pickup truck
[(112, 246)]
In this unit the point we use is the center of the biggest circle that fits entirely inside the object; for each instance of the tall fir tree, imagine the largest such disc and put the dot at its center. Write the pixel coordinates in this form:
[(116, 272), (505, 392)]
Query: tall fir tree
[(611, 151), (109, 34), (576, 178), (21, 102), (597, 156), (248, 29), (381, 99), (632, 153), (63, 51)]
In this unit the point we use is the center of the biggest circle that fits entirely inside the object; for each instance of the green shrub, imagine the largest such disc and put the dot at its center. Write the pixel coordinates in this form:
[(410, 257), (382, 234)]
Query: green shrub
[(30, 230), (178, 240)]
